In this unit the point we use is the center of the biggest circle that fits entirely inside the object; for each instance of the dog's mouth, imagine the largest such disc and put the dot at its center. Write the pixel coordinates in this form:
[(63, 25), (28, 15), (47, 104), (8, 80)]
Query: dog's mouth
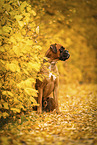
[(64, 55)]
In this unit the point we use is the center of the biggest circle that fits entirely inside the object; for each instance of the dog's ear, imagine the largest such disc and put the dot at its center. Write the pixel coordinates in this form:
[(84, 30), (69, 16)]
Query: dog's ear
[(53, 48)]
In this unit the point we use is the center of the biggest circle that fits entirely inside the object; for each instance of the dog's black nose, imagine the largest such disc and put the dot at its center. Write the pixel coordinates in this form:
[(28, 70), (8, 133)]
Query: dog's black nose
[(67, 53)]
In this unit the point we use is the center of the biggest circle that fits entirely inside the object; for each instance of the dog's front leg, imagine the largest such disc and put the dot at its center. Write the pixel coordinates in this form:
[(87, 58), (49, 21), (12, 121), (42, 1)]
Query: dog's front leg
[(40, 93), (55, 95)]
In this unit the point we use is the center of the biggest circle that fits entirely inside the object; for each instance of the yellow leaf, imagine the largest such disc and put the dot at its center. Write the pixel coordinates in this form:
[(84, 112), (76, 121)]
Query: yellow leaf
[(29, 42), (18, 37), (2, 62), (33, 12), (6, 29), (16, 50), (16, 101), (21, 23), (18, 17), (5, 114), (12, 39), (15, 110), (7, 7), (23, 32), (28, 9), (25, 71), (5, 105), (33, 100), (1, 83), (2, 49), (27, 83), (23, 5), (37, 47), (31, 91), (13, 66), (37, 30), (34, 66), (1, 31), (7, 93)]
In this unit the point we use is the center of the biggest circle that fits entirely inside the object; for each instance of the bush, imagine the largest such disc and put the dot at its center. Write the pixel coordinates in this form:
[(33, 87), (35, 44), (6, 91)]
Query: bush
[(19, 57)]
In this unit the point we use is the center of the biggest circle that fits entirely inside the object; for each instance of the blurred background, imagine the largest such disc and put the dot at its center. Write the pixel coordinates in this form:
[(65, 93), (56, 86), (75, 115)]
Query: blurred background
[(74, 25)]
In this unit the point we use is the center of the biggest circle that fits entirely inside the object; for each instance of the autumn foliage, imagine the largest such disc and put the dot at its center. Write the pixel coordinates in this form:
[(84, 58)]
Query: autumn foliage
[(27, 29), (19, 57)]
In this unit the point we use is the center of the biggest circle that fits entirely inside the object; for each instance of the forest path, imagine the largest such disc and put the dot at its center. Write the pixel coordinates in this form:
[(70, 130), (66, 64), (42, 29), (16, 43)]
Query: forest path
[(76, 124)]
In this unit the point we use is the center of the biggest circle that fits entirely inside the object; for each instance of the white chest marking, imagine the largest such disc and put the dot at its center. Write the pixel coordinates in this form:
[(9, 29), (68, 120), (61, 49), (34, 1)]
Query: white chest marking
[(50, 74)]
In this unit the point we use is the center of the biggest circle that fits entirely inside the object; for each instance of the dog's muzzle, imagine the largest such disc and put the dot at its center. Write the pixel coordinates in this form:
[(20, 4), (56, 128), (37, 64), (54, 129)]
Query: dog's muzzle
[(64, 55)]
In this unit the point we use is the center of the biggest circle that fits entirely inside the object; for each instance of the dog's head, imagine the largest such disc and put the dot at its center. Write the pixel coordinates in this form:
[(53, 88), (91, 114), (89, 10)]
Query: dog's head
[(58, 52)]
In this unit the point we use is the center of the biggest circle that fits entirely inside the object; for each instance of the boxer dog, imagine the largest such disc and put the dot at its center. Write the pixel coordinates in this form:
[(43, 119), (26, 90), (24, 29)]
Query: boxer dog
[(50, 75)]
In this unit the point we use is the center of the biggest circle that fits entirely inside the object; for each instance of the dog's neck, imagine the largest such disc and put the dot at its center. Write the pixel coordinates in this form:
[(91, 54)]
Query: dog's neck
[(52, 62), (51, 65)]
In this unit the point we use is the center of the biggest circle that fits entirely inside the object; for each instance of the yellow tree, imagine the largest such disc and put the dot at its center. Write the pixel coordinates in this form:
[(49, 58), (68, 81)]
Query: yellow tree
[(19, 57)]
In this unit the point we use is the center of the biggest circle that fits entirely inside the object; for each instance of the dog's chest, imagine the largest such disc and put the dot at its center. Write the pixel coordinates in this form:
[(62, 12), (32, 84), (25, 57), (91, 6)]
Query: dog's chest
[(52, 75), (51, 80)]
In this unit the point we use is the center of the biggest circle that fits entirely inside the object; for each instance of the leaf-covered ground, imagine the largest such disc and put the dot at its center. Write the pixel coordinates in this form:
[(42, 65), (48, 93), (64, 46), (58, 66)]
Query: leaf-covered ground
[(76, 124)]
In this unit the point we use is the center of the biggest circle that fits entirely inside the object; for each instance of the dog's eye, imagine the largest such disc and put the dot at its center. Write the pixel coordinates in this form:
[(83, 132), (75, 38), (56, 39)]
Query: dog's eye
[(61, 49)]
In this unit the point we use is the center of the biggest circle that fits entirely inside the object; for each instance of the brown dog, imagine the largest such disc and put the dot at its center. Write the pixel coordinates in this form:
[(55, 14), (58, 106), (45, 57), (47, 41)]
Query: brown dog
[(50, 75)]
